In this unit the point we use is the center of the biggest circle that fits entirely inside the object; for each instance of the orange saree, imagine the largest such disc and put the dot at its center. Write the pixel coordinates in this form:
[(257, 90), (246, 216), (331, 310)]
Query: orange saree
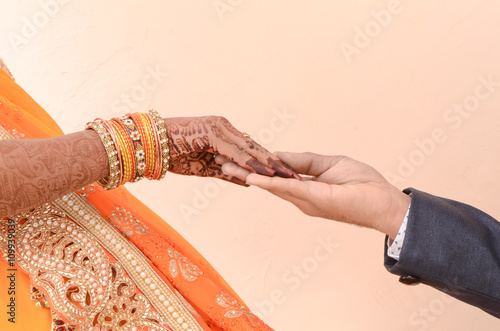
[(101, 260)]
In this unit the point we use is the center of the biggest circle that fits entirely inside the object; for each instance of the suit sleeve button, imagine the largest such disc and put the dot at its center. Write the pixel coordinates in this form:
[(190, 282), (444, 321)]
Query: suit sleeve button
[(409, 280)]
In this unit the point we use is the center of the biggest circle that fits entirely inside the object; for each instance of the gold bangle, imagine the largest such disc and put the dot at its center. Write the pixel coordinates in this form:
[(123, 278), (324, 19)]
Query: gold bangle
[(113, 180), (114, 138), (165, 151), (156, 174)]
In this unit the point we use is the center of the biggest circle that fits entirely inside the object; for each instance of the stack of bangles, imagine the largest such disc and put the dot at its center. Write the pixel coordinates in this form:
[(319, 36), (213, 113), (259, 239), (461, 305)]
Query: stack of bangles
[(137, 147)]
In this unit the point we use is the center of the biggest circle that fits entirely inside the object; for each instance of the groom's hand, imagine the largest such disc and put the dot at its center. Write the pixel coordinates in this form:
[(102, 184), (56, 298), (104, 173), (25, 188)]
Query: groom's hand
[(338, 188)]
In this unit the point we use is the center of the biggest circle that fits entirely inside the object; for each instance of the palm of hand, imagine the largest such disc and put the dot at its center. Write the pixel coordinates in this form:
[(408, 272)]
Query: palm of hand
[(349, 191)]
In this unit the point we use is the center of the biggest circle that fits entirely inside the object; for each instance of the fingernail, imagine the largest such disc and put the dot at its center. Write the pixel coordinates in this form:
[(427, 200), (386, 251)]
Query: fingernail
[(283, 172), (289, 172), (270, 171), (260, 168)]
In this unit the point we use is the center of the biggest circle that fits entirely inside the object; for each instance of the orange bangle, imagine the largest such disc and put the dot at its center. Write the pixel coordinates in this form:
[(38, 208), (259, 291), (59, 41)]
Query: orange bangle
[(150, 151), (127, 150), (121, 145)]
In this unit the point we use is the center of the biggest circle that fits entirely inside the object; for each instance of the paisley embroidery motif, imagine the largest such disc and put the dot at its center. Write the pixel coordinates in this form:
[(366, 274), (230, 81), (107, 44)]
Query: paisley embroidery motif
[(83, 285), (84, 191), (234, 308), (126, 223), (180, 263)]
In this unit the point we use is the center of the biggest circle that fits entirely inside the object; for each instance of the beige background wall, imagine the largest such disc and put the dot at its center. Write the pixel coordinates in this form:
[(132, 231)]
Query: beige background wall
[(375, 80)]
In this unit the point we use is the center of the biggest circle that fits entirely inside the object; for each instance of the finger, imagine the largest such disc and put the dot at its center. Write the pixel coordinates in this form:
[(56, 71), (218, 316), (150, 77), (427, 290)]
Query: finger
[(221, 159), (238, 155), (221, 175), (309, 163), (261, 154), (234, 170), (230, 178), (303, 205), (235, 180), (307, 195), (284, 186), (267, 158)]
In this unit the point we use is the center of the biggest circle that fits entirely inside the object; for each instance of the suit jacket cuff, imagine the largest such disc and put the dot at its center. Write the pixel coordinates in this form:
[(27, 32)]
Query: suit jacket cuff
[(453, 247)]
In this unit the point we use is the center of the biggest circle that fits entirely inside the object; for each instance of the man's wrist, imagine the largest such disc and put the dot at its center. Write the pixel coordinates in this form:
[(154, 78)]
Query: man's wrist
[(400, 204)]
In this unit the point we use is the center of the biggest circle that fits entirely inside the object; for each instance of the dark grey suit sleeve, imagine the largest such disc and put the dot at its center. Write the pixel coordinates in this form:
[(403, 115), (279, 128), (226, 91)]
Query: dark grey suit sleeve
[(453, 247)]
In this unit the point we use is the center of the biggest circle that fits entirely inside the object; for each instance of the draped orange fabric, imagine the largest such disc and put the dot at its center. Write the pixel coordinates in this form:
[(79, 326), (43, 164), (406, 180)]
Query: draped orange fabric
[(173, 258)]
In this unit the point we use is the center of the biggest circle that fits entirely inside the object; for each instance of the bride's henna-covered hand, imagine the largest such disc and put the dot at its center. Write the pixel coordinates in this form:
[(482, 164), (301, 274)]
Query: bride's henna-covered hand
[(194, 141)]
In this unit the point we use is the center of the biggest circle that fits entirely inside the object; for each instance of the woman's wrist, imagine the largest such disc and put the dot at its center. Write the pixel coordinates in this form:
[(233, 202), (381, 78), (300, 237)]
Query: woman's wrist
[(136, 146)]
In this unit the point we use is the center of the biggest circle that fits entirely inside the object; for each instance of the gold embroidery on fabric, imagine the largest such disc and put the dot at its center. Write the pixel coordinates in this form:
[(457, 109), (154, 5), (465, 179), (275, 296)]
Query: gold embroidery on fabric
[(4, 133), (234, 308), (187, 269), (39, 297), (126, 223), (134, 262), (84, 192), (82, 283), (16, 134)]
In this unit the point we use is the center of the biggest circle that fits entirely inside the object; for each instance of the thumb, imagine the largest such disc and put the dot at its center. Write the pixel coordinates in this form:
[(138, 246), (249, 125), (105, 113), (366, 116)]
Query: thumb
[(308, 163)]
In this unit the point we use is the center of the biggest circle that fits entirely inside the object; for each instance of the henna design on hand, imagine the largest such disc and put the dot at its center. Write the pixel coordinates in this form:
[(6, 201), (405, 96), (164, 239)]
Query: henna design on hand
[(195, 141), (201, 143)]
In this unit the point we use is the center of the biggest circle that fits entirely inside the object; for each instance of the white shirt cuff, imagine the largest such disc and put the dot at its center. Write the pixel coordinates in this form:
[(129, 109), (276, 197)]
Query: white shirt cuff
[(394, 247)]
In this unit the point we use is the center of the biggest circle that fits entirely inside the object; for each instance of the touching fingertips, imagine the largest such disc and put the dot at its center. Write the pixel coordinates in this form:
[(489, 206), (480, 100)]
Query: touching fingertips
[(269, 171), (260, 168), (282, 171), (288, 171)]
